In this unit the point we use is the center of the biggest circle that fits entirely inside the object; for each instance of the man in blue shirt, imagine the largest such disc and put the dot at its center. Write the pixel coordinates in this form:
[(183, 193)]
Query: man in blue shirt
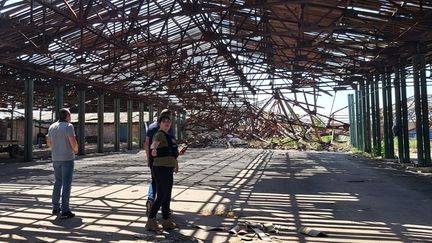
[(152, 129)]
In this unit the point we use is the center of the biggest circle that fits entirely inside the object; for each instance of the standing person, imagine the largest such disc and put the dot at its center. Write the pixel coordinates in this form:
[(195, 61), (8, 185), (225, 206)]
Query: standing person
[(152, 129), (165, 153), (61, 139)]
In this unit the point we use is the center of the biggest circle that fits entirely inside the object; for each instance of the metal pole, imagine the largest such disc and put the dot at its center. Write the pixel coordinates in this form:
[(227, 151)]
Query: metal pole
[(373, 116), (59, 99), (28, 119), (378, 116), (385, 113), (425, 113), (12, 120), (390, 115), (129, 124), (353, 124), (367, 118), (141, 128), (358, 120), (404, 109), (418, 109), (81, 121), (398, 125), (179, 126), (116, 124), (100, 110), (151, 114)]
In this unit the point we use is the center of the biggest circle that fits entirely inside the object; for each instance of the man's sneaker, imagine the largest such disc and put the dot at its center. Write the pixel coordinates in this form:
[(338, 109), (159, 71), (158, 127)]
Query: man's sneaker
[(149, 205), (67, 215), (55, 211)]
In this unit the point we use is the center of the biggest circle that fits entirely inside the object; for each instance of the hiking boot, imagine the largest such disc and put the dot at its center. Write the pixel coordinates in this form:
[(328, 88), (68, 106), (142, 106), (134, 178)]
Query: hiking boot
[(152, 225), (168, 224), (149, 204), (67, 215)]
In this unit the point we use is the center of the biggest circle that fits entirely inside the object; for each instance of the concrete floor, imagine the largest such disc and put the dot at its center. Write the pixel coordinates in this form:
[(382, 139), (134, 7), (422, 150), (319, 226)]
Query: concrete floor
[(351, 199)]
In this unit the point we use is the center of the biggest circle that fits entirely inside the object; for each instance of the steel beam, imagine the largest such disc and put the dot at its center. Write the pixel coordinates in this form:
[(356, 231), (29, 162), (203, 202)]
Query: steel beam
[(151, 114), (418, 110), (367, 119), (129, 124), (100, 134), (390, 114), (375, 134), (81, 120), (404, 111), (398, 119), (28, 119), (425, 111), (116, 124), (59, 99), (141, 128)]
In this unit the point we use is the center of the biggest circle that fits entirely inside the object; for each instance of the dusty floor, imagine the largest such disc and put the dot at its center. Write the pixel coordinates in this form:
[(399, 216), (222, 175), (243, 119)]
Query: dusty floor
[(350, 199)]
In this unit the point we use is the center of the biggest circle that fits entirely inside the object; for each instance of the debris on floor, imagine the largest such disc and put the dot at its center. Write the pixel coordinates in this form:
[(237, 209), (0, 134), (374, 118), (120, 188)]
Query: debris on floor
[(312, 232)]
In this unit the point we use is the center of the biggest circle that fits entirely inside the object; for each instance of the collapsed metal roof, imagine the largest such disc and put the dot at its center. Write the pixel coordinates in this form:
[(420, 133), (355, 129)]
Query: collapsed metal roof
[(217, 55)]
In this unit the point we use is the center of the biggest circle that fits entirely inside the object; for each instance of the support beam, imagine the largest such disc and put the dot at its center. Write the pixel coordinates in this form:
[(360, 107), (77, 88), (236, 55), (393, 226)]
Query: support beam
[(377, 116), (367, 119), (141, 128), (129, 124), (359, 122), (398, 118), (425, 112), (28, 119), (353, 124), (390, 114), (59, 99), (81, 120), (421, 111), (179, 126), (174, 123), (100, 110), (373, 94), (116, 124), (404, 111), (151, 114)]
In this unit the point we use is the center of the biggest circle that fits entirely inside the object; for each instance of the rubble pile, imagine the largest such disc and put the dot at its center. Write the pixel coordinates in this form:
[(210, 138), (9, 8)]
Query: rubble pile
[(256, 128)]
